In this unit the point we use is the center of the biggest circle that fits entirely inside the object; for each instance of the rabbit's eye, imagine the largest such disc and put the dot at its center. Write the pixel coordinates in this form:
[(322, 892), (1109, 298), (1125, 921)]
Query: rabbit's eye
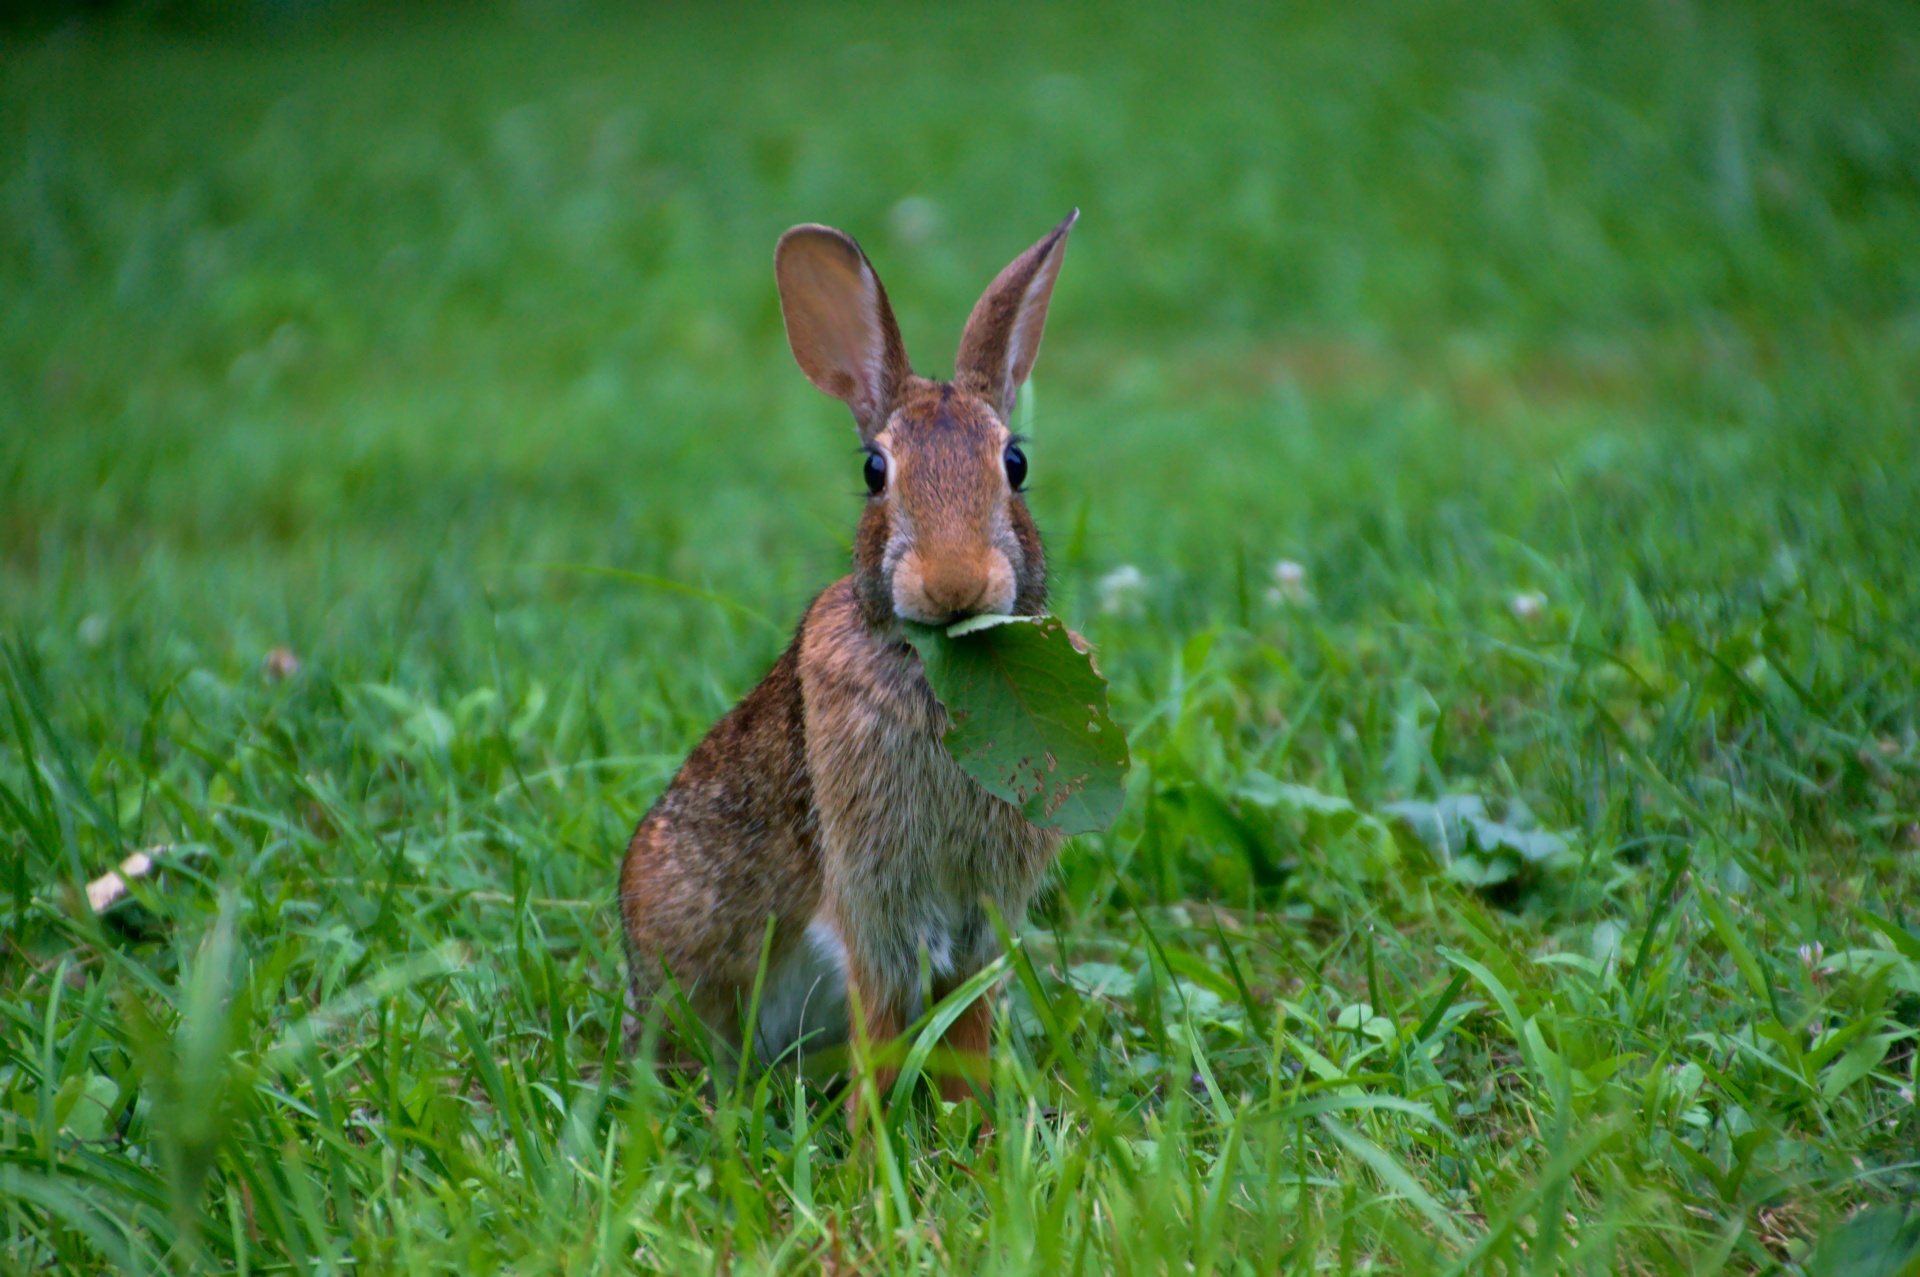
[(876, 473), (1016, 463)]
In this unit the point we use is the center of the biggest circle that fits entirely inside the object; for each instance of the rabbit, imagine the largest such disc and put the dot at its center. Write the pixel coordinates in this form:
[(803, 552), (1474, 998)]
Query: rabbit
[(826, 799)]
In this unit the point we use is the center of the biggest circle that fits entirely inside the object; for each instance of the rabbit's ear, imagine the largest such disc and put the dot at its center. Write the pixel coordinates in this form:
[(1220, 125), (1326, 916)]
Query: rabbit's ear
[(1002, 336), (839, 323)]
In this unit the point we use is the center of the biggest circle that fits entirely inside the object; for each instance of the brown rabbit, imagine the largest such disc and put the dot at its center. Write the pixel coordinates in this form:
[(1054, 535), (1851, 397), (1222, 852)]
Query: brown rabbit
[(825, 799)]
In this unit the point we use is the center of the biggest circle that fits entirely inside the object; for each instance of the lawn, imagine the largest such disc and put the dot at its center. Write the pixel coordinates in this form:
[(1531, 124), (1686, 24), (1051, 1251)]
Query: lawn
[(1482, 439)]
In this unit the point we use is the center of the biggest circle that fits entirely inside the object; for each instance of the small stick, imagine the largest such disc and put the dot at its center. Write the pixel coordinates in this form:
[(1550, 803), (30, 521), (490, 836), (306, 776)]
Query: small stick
[(109, 889)]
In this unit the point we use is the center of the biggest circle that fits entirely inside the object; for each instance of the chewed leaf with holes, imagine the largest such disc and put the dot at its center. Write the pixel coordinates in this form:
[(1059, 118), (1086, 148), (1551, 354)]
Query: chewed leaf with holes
[(1028, 717)]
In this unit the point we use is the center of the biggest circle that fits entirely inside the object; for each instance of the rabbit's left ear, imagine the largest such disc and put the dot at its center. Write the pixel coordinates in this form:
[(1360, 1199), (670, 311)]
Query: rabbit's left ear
[(1002, 336)]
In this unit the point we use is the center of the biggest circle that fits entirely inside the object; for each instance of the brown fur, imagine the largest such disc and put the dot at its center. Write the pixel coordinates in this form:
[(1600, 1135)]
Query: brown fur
[(826, 799)]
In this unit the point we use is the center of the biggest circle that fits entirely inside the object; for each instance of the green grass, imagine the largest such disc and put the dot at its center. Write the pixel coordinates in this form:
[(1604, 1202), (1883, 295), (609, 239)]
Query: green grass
[(361, 337)]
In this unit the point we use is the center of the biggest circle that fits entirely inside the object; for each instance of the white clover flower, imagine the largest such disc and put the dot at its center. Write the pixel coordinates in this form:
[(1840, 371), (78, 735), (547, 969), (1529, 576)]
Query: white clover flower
[(93, 630), (1121, 590), (914, 220), (1529, 606), (1289, 584)]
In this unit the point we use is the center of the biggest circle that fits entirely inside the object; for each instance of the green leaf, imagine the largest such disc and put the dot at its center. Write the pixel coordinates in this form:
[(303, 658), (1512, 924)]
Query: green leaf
[(1882, 1241), (1456, 820), (1477, 850), (1397, 1178), (1027, 717), (1742, 956), (1862, 1058), (1904, 941), (1262, 790)]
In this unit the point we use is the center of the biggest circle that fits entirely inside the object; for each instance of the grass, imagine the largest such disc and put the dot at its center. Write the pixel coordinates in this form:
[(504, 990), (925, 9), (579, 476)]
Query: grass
[(1572, 351)]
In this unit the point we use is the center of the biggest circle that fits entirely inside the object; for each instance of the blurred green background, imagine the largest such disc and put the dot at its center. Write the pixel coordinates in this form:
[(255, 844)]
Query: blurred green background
[(1571, 351), (346, 296), (328, 328)]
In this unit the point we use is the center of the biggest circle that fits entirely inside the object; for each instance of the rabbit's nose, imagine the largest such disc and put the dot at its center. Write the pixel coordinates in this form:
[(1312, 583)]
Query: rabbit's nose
[(941, 587), (957, 589)]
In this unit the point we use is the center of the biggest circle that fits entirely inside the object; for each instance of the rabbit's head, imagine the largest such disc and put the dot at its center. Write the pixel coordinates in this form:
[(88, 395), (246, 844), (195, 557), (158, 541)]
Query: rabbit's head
[(946, 533)]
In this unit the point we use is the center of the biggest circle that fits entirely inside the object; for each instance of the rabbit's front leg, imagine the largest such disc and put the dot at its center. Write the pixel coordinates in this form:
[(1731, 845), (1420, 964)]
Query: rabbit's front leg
[(876, 1027), (964, 1065)]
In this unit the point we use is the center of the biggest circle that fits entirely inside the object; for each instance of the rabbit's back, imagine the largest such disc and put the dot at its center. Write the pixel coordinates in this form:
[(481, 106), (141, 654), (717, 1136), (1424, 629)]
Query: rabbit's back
[(733, 841)]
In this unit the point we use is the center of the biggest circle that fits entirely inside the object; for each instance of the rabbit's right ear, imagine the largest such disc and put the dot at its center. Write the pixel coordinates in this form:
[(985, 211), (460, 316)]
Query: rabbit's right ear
[(839, 323)]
